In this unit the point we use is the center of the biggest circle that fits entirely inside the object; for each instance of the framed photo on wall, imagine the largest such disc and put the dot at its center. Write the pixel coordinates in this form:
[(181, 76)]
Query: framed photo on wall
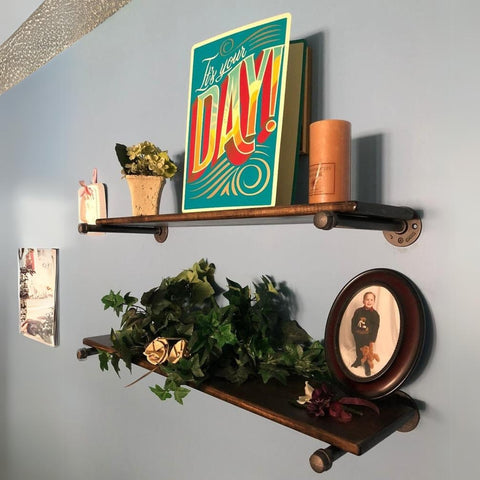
[(37, 273), (375, 332)]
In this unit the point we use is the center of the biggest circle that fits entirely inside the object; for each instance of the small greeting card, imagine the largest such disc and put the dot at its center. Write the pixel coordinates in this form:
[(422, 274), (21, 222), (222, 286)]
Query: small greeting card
[(92, 202)]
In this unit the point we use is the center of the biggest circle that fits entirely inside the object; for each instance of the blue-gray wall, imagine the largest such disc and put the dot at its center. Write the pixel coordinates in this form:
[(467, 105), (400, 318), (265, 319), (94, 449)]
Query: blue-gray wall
[(406, 74)]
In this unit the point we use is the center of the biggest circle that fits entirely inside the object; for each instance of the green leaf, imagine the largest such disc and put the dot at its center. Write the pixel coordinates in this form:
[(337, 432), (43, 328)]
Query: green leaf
[(269, 284), (104, 358), (201, 291), (195, 367), (115, 301), (129, 300), (234, 374), (237, 295), (224, 335), (122, 344), (267, 372), (114, 360), (180, 393), (121, 151), (160, 392), (131, 317)]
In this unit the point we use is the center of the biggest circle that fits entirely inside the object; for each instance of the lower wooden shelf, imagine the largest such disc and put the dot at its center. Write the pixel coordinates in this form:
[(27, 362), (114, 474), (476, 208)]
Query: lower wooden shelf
[(274, 401)]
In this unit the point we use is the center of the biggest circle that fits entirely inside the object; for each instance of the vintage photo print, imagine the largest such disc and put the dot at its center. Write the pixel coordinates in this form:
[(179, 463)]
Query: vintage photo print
[(37, 268)]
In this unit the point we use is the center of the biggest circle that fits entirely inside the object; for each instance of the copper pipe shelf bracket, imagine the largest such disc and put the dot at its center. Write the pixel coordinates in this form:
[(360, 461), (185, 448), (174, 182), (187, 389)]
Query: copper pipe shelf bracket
[(160, 233), (397, 232), (322, 459), (85, 352), (404, 238)]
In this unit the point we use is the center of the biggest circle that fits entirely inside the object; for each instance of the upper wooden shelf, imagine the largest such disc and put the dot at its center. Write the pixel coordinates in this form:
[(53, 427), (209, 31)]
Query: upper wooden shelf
[(401, 225), (276, 402)]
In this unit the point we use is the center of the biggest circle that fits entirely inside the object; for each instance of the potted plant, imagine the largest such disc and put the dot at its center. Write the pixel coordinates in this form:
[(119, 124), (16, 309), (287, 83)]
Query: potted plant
[(145, 166)]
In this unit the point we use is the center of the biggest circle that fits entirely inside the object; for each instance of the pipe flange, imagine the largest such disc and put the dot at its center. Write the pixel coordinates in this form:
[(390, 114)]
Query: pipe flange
[(409, 235), (161, 234)]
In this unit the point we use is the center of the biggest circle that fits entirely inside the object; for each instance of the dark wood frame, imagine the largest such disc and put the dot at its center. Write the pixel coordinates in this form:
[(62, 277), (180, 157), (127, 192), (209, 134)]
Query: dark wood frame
[(410, 343)]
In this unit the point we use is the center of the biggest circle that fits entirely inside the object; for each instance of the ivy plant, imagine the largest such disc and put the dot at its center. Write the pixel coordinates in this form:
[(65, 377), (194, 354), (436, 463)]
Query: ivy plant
[(236, 333)]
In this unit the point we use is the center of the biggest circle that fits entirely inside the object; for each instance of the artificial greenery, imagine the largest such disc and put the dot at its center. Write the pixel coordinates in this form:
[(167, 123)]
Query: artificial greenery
[(145, 159), (253, 334)]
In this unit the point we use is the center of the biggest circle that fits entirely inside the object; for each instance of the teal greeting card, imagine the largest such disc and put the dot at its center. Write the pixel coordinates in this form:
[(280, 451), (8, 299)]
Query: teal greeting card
[(235, 112)]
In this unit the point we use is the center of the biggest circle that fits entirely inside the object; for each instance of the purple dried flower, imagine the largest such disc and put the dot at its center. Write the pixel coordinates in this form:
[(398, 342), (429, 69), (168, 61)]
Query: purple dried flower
[(323, 402), (320, 401)]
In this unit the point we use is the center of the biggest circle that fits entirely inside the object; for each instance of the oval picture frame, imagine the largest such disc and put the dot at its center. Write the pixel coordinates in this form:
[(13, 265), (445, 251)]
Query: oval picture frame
[(375, 332)]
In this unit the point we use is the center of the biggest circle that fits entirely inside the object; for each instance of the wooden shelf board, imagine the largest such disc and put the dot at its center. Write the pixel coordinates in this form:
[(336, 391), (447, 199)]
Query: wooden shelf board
[(262, 215), (274, 402)]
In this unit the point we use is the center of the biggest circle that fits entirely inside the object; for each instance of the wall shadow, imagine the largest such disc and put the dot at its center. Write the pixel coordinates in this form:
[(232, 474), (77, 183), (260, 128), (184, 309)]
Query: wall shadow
[(316, 42), (428, 343), (177, 180), (367, 168)]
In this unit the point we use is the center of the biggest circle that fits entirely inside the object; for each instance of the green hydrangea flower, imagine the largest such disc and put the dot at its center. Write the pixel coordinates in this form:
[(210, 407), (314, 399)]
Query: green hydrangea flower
[(145, 159)]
